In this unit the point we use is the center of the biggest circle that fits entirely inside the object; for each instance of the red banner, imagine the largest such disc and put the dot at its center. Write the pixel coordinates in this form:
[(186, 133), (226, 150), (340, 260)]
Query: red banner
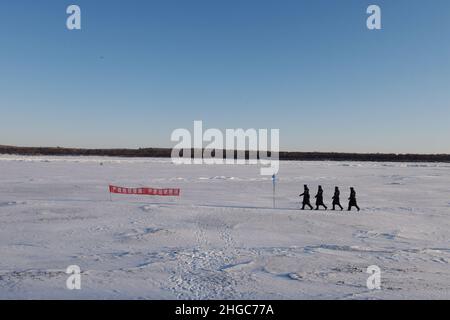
[(145, 191)]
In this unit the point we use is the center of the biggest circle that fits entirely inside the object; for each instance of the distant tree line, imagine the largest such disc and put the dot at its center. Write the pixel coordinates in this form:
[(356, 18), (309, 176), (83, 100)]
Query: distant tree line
[(166, 153)]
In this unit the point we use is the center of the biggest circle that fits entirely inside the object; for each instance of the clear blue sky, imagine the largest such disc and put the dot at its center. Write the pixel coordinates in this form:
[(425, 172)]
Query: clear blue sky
[(139, 69)]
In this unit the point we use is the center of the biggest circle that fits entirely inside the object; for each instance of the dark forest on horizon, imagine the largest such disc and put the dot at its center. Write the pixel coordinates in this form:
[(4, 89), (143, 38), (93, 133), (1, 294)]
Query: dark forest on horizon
[(166, 153)]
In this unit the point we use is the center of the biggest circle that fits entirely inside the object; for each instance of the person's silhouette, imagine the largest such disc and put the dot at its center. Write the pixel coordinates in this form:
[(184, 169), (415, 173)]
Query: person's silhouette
[(306, 198), (336, 200), (319, 199), (352, 199)]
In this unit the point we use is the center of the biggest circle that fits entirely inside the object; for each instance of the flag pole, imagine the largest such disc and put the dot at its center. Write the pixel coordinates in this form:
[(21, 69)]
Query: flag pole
[(273, 190)]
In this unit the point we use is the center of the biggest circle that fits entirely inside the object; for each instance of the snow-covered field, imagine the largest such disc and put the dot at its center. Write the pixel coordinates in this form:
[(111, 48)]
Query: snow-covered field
[(221, 239)]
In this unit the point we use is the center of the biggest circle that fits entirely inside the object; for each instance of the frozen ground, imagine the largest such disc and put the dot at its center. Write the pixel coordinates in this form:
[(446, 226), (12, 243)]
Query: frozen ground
[(221, 238)]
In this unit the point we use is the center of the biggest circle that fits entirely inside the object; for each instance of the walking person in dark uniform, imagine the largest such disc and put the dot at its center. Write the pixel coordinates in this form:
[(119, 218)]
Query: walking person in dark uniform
[(306, 197), (319, 199), (336, 200), (352, 199)]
